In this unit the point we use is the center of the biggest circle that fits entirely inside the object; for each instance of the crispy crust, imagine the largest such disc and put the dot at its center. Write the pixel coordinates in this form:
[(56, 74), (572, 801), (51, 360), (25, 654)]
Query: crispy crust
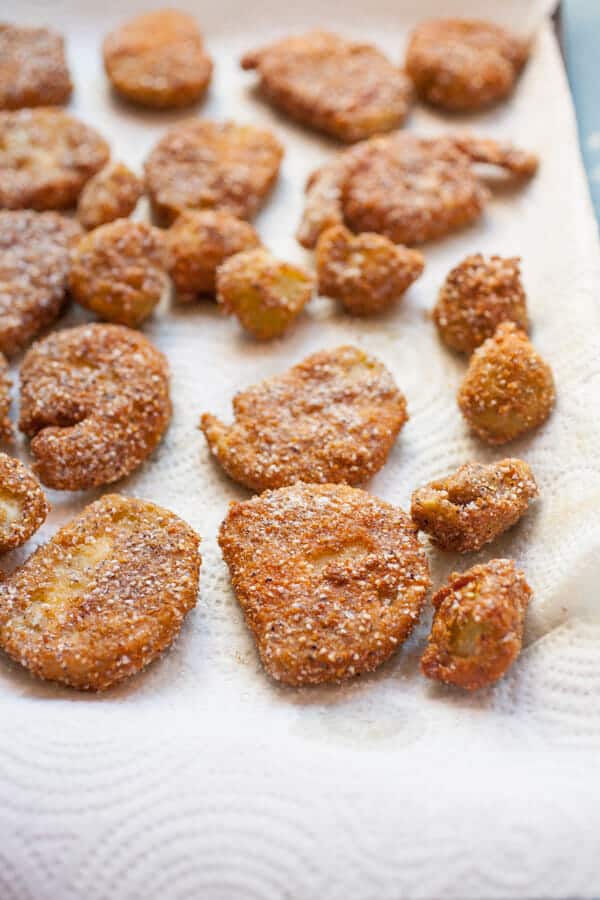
[(508, 388), (200, 164), (158, 59), (477, 630), (104, 597), (23, 504), (347, 90), (111, 194), (366, 273), (119, 271), (332, 418), (95, 403), (6, 427), (330, 579), (475, 504), (33, 69), (34, 270)]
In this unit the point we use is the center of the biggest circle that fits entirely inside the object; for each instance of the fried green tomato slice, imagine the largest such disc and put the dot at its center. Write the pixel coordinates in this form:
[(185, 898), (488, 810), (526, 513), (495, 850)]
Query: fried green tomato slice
[(331, 580), (332, 418), (23, 504), (33, 69), (104, 597)]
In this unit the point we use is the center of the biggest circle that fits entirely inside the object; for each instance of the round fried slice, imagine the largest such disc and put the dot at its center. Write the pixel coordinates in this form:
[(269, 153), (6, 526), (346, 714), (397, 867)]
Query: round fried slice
[(198, 242), (343, 88), (33, 69), (464, 65), (46, 157), (476, 297), (477, 629), (6, 429), (23, 504), (199, 164), (366, 273), (111, 194), (119, 271), (34, 271), (158, 59), (332, 418), (265, 294), (95, 403), (508, 388), (331, 580), (475, 504), (104, 597)]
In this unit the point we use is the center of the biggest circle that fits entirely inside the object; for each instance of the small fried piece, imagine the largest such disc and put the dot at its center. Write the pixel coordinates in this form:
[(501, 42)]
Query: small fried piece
[(95, 404), (198, 242), (508, 388), (331, 580), (6, 428), (33, 69), (332, 418), (343, 88), (158, 59), (23, 504), (265, 294), (464, 65), (477, 629), (119, 271), (200, 164), (366, 273), (104, 597), (475, 504), (111, 194), (34, 271)]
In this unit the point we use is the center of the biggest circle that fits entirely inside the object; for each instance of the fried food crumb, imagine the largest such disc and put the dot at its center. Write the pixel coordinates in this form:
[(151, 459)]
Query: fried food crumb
[(33, 69), (23, 504), (331, 580), (477, 629), (111, 194)]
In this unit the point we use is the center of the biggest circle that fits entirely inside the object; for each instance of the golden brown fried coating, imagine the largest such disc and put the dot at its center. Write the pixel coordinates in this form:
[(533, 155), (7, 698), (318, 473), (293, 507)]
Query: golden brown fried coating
[(23, 504), (95, 403), (119, 271), (343, 88), (33, 69), (200, 164), (158, 59), (111, 194), (34, 272), (6, 428), (330, 579), (332, 418), (476, 297), (477, 629), (366, 273), (104, 597), (265, 294), (475, 504), (508, 388), (198, 242), (464, 65)]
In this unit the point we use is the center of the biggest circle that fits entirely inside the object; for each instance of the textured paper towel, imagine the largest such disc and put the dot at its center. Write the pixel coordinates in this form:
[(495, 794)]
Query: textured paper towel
[(201, 778)]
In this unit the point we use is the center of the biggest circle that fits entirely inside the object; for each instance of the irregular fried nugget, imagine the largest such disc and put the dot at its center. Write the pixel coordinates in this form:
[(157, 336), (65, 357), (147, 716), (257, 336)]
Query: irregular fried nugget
[(332, 418), (33, 69), (46, 157), (464, 65), (330, 579), (23, 504), (345, 89), (6, 429), (265, 294), (34, 272), (366, 273), (508, 388), (158, 59), (198, 242), (477, 629), (104, 597), (199, 164), (95, 403), (475, 504), (119, 271), (111, 194)]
